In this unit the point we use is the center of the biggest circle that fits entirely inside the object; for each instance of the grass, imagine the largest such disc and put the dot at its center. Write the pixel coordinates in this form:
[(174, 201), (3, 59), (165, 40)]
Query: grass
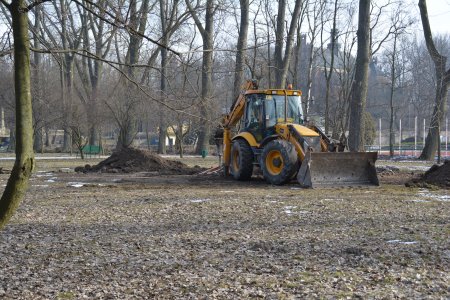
[(65, 295)]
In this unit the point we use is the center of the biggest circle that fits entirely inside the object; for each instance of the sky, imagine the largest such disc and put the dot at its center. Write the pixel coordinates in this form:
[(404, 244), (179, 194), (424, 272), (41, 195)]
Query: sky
[(439, 14), (438, 11)]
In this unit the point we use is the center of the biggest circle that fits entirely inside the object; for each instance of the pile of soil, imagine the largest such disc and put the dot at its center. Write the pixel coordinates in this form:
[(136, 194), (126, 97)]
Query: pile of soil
[(131, 160), (437, 175)]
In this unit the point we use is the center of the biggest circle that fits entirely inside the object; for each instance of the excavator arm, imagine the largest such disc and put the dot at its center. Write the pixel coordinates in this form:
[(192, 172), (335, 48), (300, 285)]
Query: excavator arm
[(237, 109), (232, 118)]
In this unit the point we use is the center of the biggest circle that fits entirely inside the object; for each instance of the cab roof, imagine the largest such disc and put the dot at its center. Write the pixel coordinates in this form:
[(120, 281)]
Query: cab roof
[(281, 92)]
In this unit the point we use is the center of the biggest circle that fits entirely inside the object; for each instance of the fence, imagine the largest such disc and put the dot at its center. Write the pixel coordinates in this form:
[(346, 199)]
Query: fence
[(409, 141)]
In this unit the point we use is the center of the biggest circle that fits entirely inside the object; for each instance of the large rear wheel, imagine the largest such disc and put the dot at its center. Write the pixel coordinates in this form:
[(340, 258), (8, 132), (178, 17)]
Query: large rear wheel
[(279, 162), (241, 166)]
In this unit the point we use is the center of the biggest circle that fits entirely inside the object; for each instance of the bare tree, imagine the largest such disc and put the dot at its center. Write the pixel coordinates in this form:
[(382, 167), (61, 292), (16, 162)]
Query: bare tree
[(207, 33), (171, 19), (340, 119), (314, 24), (393, 60), (329, 67), (282, 61), (432, 143)]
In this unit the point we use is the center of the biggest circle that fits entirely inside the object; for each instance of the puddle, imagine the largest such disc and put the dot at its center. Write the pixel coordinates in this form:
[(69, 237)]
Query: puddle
[(425, 193), (333, 199), (401, 242), (416, 168), (199, 200), (44, 174), (288, 209), (227, 191), (53, 179), (40, 185), (76, 184)]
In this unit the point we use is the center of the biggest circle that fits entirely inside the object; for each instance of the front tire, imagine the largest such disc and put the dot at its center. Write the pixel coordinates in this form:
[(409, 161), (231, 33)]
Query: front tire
[(241, 166), (279, 162)]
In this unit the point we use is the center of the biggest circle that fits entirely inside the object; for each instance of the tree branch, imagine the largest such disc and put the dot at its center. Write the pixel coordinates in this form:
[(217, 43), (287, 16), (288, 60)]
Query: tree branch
[(427, 32), (32, 5), (112, 64), (5, 53), (122, 24), (195, 17), (8, 6)]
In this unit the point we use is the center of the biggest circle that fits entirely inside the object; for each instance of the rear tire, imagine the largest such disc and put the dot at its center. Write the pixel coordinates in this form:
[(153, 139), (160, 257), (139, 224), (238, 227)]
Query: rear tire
[(279, 162), (241, 165)]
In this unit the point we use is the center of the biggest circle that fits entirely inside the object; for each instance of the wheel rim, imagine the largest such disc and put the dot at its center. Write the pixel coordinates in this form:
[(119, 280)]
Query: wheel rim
[(236, 160), (274, 162)]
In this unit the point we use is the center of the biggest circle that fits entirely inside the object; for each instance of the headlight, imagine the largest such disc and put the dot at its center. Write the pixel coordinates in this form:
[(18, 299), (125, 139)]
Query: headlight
[(312, 142)]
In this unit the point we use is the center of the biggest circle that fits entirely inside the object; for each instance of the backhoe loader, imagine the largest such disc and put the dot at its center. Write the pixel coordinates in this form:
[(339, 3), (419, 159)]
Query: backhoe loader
[(274, 136)]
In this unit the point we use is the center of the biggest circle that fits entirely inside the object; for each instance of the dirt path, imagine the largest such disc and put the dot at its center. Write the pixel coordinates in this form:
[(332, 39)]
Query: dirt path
[(118, 236)]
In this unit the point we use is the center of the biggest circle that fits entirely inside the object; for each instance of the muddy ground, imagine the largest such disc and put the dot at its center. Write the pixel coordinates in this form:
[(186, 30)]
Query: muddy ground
[(133, 236)]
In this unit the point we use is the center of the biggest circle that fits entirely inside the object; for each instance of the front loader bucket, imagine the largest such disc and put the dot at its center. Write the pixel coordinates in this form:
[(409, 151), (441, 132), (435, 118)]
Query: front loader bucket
[(338, 168)]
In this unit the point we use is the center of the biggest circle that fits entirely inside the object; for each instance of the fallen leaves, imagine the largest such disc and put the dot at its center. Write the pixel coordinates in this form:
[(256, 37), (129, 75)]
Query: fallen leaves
[(223, 239)]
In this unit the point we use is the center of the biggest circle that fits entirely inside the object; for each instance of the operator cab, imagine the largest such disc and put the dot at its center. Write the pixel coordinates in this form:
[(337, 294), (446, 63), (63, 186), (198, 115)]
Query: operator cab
[(265, 109)]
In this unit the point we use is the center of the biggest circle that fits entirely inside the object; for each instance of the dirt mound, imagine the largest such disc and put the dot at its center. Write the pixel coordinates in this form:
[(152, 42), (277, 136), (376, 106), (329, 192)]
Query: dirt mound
[(131, 160), (436, 175)]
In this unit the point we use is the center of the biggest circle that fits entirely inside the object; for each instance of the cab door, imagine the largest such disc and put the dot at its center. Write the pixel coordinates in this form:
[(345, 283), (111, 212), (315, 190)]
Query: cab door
[(254, 116)]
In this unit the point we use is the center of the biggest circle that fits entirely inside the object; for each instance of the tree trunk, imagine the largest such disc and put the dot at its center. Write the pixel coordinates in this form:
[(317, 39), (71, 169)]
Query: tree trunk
[(24, 163), (309, 79), (391, 121), (207, 65), (329, 74), (93, 135), (163, 80), (162, 116), (391, 125), (12, 138), (37, 87), (241, 48), (47, 137), (432, 141), (66, 81), (207, 33), (279, 41), (359, 89), (67, 93), (297, 53)]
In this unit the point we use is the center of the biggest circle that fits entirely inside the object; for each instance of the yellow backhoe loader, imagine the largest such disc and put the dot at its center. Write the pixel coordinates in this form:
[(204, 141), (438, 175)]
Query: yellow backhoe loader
[(274, 136)]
